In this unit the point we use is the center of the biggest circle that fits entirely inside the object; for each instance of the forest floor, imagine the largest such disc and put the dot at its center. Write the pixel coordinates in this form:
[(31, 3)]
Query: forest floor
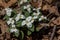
[(49, 30)]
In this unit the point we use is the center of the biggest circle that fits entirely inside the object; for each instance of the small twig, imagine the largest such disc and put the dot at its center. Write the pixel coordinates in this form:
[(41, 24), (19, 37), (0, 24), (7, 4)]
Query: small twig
[(51, 20), (53, 33)]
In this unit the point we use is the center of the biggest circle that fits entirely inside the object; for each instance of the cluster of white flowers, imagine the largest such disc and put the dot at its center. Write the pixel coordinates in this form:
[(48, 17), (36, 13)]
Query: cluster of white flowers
[(13, 30), (26, 21), (29, 20), (23, 1), (11, 21), (19, 16), (28, 7), (8, 11)]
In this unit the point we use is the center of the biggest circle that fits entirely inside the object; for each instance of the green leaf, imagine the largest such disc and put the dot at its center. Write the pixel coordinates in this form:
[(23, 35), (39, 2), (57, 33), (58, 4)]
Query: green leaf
[(27, 14), (16, 34), (18, 23), (6, 17), (13, 13), (29, 33), (32, 28), (22, 34)]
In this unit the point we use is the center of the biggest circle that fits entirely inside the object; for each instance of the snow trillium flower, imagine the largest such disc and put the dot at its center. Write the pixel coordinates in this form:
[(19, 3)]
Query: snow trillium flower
[(29, 24), (29, 10), (10, 21), (42, 17), (36, 15), (19, 16), (13, 30), (8, 11), (25, 7), (29, 18)]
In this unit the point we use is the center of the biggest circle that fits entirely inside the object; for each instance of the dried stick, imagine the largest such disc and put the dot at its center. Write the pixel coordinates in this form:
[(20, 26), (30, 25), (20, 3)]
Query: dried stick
[(52, 35)]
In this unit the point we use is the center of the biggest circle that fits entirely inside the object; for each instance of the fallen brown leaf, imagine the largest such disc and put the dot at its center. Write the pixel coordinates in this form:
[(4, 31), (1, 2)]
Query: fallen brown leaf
[(36, 3), (3, 26), (4, 4), (57, 21)]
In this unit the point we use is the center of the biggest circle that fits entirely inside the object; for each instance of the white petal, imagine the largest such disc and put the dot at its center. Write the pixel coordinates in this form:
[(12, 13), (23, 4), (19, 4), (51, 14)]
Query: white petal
[(34, 9), (42, 16), (28, 18), (18, 14), (34, 13), (25, 7), (45, 17), (21, 2), (8, 11), (28, 6), (13, 25), (38, 13), (8, 22), (12, 22), (32, 21), (17, 18), (22, 16), (29, 10), (29, 24), (40, 19), (13, 30), (10, 19), (23, 23), (35, 17), (9, 14)]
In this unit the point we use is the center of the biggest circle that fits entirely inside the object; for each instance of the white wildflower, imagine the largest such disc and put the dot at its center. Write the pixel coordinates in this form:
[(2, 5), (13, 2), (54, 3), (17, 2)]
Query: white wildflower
[(8, 11), (23, 23), (42, 17), (13, 30), (22, 17), (29, 18), (25, 7), (19, 16), (29, 25), (29, 10), (13, 26), (10, 21)]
